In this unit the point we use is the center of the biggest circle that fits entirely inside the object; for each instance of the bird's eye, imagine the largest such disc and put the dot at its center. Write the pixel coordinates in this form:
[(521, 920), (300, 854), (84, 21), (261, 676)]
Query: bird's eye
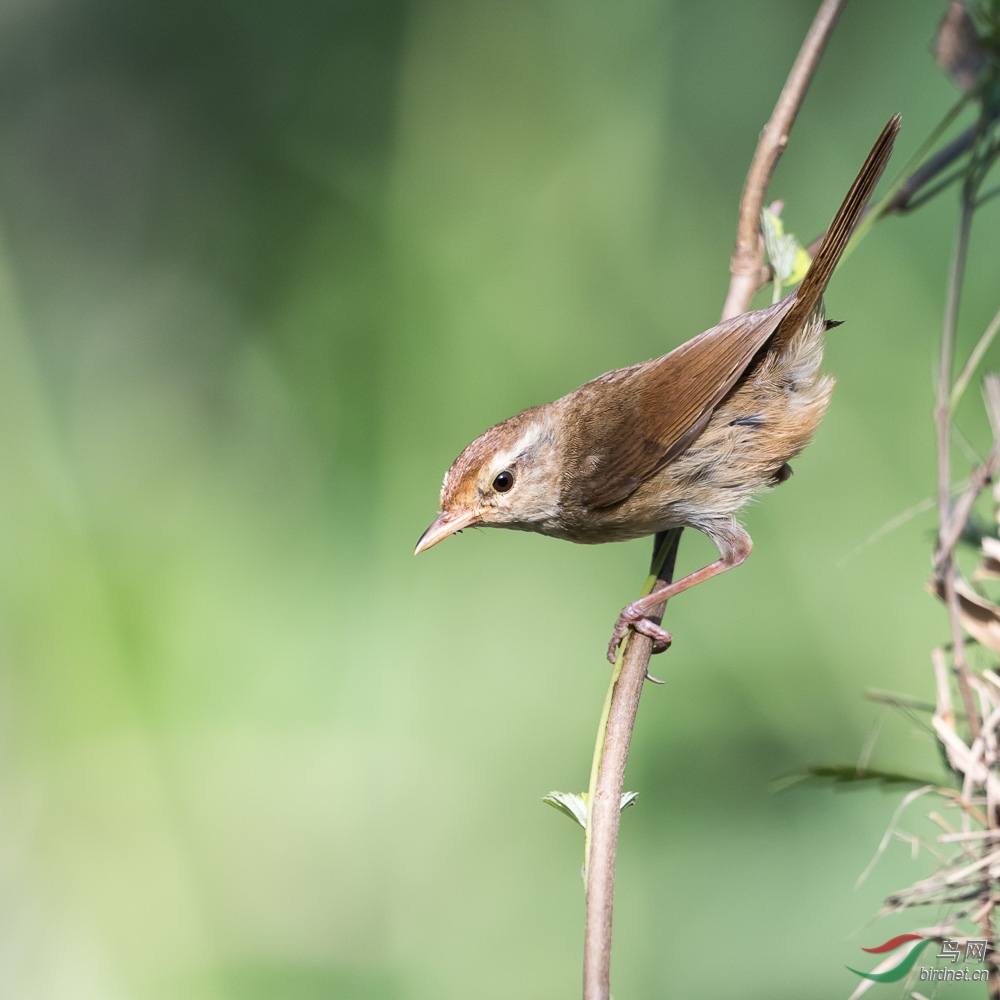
[(504, 481)]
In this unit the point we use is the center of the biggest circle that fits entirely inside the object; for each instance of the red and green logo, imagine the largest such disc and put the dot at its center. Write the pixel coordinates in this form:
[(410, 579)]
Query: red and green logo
[(908, 958)]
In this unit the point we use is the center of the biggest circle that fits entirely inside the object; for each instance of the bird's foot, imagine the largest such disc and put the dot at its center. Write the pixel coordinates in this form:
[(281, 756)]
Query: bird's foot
[(633, 617)]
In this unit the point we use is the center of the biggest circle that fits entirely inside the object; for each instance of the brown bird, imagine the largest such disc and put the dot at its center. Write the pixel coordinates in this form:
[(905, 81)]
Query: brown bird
[(680, 441)]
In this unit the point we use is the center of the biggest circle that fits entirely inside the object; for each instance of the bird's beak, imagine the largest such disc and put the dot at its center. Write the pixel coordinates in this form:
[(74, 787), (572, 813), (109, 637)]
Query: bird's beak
[(444, 525)]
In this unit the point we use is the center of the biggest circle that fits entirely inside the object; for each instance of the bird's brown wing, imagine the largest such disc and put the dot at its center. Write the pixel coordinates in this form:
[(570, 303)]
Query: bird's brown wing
[(645, 416)]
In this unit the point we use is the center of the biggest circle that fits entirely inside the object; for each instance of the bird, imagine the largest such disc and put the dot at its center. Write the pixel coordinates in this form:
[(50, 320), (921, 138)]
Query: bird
[(683, 440)]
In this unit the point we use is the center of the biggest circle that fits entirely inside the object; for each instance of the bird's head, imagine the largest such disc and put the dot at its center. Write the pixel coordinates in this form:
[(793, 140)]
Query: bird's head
[(507, 478)]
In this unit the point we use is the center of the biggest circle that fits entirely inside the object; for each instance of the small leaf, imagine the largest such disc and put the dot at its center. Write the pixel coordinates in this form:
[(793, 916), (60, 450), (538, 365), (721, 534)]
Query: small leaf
[(574, 806), (780, 251), (979, 617), (989, 567), (788, 260), (802, 262)]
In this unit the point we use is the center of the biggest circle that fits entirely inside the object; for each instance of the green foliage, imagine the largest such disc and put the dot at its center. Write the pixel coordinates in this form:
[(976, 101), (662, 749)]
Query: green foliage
[(850, 775), (575, 806), (788, 258)]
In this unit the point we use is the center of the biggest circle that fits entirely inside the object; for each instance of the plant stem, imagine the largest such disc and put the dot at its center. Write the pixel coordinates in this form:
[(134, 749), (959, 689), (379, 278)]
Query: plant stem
[(945, 556), (970, 366), (914, 176), (745, 265), (603, 803), (660, 550)]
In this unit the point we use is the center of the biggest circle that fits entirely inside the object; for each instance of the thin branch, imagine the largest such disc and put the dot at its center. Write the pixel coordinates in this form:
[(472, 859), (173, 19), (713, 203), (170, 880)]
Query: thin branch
[(981, 477), (973, 361), (661, 550), (605, 806), (992, 958), (991, 396), (746, 262), (916, 173), (902, 198), (983, 198), (947, 538), (918, 201)]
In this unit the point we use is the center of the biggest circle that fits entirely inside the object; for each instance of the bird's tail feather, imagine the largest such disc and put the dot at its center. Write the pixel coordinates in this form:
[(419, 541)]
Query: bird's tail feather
[(812, 286)]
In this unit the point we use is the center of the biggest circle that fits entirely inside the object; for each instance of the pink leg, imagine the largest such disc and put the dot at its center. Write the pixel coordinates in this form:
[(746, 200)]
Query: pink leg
[(633, 616)]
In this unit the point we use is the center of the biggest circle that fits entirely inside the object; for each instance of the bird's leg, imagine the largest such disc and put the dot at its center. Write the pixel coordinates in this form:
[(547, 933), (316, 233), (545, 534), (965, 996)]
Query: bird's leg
[(734, 545)]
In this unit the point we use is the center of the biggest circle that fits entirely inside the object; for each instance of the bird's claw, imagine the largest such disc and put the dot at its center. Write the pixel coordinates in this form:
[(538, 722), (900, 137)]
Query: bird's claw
[(633, 618)]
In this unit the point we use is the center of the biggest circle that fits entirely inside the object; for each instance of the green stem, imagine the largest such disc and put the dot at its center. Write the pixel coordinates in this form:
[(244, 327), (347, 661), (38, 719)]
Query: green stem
[(979, 165), (983, 198), (911, 165), (602, 727), (969, 368), (944, 562)]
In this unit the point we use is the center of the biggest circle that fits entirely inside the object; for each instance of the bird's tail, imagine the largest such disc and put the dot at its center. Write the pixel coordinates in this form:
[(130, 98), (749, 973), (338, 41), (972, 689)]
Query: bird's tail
[(812, 286)]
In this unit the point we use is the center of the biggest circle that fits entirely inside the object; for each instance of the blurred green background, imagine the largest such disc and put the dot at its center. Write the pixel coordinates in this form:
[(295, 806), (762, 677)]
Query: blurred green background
[(265, 270)]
